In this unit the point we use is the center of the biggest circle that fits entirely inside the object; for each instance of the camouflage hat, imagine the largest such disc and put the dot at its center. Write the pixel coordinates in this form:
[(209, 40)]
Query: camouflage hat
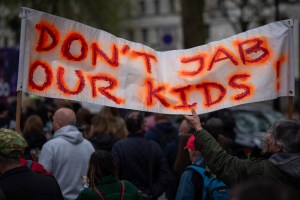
[(12, 144)]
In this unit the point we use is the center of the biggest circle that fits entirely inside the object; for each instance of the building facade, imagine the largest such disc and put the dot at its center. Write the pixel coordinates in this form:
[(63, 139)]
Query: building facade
[(7, 36), (155, 23)]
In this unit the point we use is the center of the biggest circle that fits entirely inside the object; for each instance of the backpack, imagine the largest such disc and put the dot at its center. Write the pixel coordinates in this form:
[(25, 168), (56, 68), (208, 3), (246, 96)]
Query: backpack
[(212, 188)]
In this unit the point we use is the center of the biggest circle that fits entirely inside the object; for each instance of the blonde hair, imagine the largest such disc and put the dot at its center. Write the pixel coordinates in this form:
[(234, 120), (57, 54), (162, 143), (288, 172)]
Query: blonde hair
[(107, 122), (103, 125)]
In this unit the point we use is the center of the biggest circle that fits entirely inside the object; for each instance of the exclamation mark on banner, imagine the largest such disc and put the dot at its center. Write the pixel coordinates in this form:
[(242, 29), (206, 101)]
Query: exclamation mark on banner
[(278, 66)]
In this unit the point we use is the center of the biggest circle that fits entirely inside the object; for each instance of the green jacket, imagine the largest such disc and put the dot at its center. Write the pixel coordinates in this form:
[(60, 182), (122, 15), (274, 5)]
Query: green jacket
[(283, 168), (110, 187)]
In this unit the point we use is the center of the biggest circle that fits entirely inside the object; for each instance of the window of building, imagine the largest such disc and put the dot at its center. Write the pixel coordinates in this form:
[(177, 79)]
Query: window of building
[(207, 28), (156, 6), (130, 33), (172, 6), (142, 5), (5, 41), (128, 11), (144, 35)]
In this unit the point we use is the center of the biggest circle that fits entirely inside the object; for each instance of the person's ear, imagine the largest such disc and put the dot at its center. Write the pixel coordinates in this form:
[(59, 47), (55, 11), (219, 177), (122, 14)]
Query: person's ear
[(59, 124), (279, 147)]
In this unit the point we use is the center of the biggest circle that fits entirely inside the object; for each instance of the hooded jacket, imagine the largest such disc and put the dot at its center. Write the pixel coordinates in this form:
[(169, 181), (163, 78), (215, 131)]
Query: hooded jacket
[(282, 168), (66, 157), (288, 163)]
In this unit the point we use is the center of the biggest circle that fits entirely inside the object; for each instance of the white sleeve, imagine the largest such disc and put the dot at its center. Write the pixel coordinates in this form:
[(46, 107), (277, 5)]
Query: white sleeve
[(46, 158)]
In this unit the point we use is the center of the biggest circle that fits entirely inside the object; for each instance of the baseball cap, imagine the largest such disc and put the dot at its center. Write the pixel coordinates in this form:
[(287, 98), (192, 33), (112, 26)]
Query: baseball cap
[(12, 144), (190, 143)]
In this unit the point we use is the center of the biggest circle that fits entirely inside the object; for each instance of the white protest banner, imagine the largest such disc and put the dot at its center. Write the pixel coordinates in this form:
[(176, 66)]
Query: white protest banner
[(61, 58)]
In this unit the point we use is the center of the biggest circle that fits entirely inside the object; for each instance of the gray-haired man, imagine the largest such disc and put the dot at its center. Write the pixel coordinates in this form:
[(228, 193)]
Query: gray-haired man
[(283, 167)]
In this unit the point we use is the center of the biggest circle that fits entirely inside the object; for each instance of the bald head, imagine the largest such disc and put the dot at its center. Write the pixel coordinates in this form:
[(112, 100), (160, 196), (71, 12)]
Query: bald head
[(63, 117)]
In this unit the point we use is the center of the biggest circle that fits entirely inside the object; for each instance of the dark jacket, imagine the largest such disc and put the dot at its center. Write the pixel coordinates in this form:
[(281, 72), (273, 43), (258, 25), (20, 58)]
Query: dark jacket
[(103, 141), (110, 188), (22, 183), (166, 135), (134, 155), (35, 143), (283, 168), (162, 133)]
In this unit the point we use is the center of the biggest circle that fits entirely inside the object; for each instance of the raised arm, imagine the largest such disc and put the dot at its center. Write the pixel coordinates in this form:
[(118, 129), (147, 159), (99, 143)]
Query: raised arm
[(229, 169)]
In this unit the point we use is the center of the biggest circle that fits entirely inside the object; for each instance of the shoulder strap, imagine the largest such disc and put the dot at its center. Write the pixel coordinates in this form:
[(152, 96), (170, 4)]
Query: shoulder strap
[(123, 190), (201, 171), (101, 196), (28, 163), (197, 180), (2, 196), (99, 193)]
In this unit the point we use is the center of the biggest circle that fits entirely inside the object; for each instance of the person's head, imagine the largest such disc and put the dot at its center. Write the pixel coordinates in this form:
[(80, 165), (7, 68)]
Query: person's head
[(193, 153), (284, 136), (83, 116), (103, 125), (106, 112), (63, 117), (185, 128), (135, 122), (12, 146), (267, 140), (149, 120), (259, 190), (214, 126), (161, 118), (3, 110), (101, 164), (33, 124)]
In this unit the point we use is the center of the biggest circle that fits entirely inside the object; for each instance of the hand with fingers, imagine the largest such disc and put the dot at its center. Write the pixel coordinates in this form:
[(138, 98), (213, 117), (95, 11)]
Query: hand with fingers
[(194, 120)]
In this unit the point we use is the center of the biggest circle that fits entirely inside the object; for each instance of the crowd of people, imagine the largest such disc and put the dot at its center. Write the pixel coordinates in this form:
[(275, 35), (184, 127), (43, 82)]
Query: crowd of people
[(65, 151)]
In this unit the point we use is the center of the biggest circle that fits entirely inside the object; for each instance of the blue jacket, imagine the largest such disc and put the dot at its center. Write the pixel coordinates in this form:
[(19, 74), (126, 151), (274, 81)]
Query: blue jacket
[(132, 156)]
